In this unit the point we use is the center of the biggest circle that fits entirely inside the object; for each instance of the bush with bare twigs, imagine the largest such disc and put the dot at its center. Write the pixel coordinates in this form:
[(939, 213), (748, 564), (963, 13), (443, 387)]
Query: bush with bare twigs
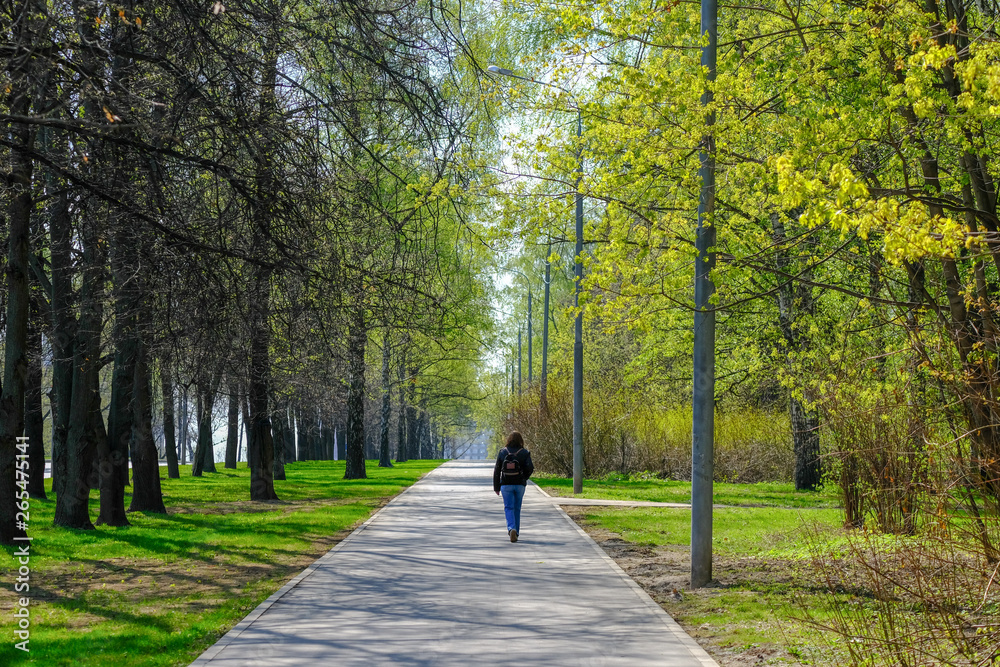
[(627, 438)]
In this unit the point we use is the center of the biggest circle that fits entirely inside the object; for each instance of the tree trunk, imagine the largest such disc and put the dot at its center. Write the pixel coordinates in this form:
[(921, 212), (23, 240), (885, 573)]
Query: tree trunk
[(371, 444), (147, 494), (197, 460), (401, 453), (232, 428), (384, 459), (19, 95), (794, 301), (805, 433), (260, 448), (411, 432), (113, 452), (289, 431), (85, 429), (184, 424), (314, 437), (245, 432), (62, 331), (204, 453), (120, 174), (357, 338), (305, 453), (15, 339), (63, 334), (323, 431), (426, 451), (34, 423), (340, 437), (278, 436), (169, 437)]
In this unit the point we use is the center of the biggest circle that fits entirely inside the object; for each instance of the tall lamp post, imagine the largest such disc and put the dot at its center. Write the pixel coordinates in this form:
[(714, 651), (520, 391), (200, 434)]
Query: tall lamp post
[(578, 324), (527, 281), (519, 361), (531, 379), (543, 399), (703, 397)]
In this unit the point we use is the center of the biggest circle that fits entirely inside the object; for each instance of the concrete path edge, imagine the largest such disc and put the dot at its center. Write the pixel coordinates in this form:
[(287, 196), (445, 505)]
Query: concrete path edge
[(672, 626)]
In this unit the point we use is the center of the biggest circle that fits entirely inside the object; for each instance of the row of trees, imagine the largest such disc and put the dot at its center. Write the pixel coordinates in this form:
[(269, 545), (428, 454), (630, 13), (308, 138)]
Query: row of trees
[(258, 201), (312, 431)]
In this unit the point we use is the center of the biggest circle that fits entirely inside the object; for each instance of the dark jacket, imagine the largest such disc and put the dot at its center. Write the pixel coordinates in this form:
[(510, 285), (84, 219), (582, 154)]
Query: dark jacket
[(527, 467)]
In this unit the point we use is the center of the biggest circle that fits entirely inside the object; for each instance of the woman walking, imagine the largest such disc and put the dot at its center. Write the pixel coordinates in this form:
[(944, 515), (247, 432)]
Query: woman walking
[(510, 478)]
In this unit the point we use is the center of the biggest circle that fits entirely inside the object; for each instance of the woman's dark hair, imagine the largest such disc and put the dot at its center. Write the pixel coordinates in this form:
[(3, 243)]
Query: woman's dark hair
[(515, 441)]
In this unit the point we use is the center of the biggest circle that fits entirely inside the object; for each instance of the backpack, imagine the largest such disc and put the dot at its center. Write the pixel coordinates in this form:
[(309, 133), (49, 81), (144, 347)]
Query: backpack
[(510, 469)]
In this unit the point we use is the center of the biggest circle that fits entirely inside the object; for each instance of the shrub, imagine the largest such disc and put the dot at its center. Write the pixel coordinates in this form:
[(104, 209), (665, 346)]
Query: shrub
[(929, 600), (750, 445), (877, 454)]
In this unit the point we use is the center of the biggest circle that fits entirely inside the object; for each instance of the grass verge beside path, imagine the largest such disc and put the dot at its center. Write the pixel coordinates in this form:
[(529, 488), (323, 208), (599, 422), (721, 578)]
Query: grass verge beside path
[(164, 589), (622, 487), (765, 581)]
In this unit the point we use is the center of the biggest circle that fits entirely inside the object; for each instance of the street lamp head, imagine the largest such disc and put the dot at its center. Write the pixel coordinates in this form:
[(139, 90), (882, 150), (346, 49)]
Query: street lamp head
[(499, 70)]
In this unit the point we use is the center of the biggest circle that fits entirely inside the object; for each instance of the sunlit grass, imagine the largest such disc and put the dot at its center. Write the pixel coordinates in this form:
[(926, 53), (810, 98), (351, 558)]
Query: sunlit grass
[(772, 532), (650, 488)]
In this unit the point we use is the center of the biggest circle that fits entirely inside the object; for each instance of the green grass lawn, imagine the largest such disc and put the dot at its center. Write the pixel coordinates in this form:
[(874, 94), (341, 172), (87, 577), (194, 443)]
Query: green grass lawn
[(162, 590), (620, 487), (737, 531)]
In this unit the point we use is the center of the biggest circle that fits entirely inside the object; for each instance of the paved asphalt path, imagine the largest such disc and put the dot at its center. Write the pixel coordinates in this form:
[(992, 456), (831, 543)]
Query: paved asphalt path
[(432, 579)]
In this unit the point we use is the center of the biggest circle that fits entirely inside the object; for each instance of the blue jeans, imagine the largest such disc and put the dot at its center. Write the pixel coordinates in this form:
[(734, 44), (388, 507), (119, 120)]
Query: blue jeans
[(512, 495)]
